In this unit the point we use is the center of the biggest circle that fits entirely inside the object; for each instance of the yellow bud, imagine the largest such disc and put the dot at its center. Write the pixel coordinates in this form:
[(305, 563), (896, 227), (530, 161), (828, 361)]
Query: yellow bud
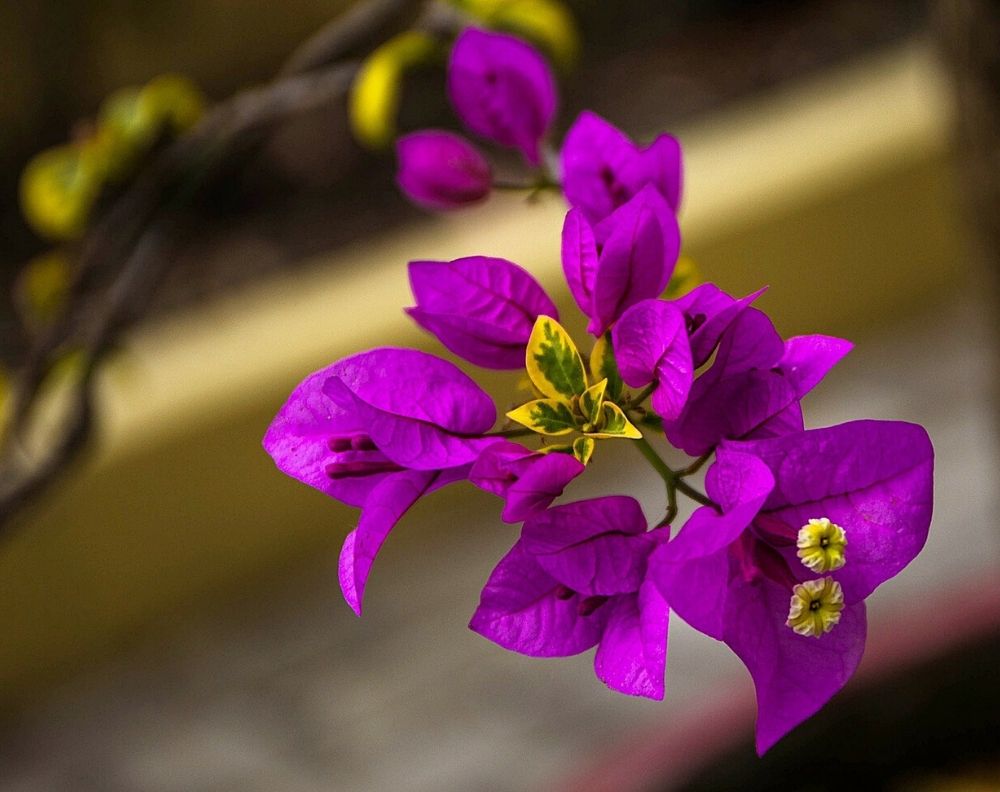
[(132, 119), (374, 99), (172, 101), (58, 189), (124, 132), (42, 288)]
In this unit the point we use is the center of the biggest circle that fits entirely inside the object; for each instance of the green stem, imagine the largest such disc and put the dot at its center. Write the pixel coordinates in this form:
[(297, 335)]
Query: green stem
[(673, 480), (642, 395), (695, 466), (668, 476), (519, 432), (694, 495)]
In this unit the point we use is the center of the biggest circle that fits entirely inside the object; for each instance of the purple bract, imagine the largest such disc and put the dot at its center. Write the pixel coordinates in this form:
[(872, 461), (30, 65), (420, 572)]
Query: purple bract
[(442, 170), (502, 89)]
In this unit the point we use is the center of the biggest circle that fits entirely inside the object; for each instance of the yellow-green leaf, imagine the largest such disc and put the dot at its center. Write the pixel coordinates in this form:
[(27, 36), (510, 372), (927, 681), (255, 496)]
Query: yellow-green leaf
[(553, 362), (545, 416), (615, 424), (124, 132), (583, 449), (686, 276), (592, 400), (603, 364), (42, 287), (375, 93)]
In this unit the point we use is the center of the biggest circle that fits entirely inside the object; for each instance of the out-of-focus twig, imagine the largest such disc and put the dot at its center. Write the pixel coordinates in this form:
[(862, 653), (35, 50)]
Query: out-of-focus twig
[(125, 255), (356, 30)]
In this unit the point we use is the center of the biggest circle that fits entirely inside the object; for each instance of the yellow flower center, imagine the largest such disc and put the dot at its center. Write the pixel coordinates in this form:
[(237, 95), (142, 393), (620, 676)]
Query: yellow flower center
[(815, 607), (821, 545)]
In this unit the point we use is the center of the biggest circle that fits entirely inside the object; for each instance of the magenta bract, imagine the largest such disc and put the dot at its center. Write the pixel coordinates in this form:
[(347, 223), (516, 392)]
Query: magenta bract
[(754, 385), (480, 308), (502, 88), (441, 170), (576, 578), (626, 258), (355, 429), (527, 481), (651, 344), (603, 169)]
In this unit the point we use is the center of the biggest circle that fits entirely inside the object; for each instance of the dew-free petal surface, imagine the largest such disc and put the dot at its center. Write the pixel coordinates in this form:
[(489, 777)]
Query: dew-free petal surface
[(521, 610), (503, 89)]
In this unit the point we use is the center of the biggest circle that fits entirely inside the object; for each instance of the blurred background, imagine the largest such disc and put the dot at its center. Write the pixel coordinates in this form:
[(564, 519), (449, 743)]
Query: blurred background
[(169, 604)]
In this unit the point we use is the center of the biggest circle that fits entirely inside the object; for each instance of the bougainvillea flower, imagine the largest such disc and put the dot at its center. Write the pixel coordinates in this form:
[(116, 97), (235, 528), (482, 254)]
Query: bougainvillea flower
[(708, 312), (809, 525), (650, 342), (603, 169), (441, 170), (576, 578), (503, 89), (627, 257), (754, 386), (482, 309), (528, 481), (353, 429)]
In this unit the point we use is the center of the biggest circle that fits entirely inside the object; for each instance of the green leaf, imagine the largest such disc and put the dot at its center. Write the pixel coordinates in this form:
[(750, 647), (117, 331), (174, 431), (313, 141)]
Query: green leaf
[(553, 362), (603, 365), (592, 400), (615, 424), (545, 416)]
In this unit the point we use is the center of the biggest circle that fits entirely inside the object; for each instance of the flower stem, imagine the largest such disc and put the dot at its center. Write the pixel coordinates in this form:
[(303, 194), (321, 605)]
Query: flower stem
[(668, 476), (673, 479), (695, 466), (694, 495)]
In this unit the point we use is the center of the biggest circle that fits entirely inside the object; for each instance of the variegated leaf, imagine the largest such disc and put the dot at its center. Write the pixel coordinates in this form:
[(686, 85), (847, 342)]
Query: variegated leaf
[(553, 362), (545, 416), (592, 400), (603, 366), (615, 424)]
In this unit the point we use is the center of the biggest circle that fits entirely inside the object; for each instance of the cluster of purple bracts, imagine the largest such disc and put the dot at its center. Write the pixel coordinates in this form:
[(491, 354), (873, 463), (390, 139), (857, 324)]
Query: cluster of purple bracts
[(795, 528)]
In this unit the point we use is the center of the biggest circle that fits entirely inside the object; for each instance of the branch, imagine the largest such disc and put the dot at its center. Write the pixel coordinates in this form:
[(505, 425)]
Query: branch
[(130, 241), (356, 29)]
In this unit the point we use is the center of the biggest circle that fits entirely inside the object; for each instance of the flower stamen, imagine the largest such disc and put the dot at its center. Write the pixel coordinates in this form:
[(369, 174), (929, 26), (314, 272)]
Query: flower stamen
[(821, 545), (815, 607)]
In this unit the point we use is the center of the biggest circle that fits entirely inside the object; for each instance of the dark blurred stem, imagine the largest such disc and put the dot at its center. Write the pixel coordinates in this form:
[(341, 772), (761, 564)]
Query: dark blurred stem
[(518, 432), (125, 254)]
